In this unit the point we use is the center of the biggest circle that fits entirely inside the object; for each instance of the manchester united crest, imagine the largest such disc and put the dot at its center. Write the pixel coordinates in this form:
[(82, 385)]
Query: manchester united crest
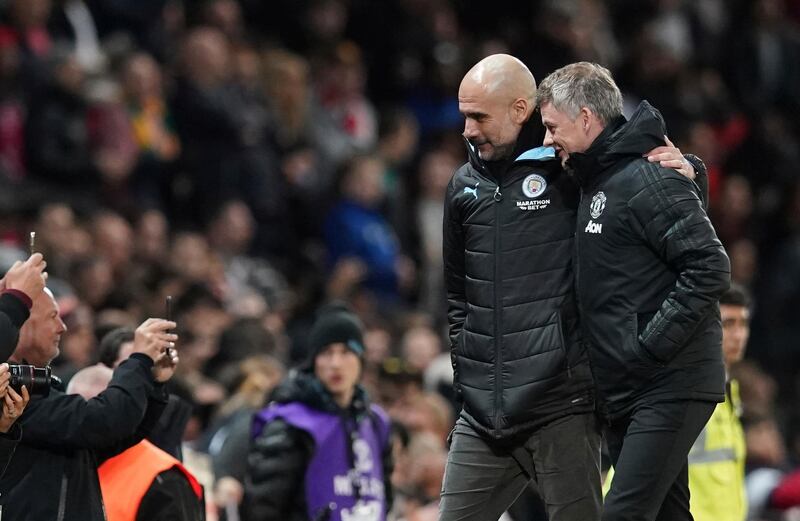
[(598, 205)]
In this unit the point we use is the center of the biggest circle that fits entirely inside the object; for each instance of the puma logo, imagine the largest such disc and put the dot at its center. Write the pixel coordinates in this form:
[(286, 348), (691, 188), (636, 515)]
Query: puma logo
[(473, 190)]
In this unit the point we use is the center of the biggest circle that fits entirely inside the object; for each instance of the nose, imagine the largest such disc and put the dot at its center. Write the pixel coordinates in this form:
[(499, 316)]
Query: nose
[(61, 326), (470, 129), (739, 333), (548, 139)]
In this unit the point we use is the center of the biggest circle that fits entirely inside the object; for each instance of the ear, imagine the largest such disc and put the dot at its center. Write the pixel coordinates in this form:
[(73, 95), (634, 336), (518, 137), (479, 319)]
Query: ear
[(587, 120), (520, 110)]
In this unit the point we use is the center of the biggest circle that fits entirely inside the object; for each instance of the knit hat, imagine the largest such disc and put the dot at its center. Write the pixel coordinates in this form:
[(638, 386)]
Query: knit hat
[(335, 324)]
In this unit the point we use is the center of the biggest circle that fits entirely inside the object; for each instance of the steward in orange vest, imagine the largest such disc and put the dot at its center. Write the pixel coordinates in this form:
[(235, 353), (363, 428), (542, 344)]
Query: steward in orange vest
[(144, 483)]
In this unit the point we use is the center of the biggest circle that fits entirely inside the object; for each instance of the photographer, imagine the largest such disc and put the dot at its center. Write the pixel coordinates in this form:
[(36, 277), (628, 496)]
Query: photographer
[(13, 405), (21, 281), (64, 437)]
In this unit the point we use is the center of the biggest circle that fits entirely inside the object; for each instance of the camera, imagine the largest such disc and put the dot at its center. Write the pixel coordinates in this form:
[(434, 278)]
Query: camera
[(35, 379)]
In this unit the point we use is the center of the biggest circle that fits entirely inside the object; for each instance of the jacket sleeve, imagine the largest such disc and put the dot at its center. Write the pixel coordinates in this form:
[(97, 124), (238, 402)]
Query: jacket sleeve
[(701, 177), (13, 313), (64, 421), (276, 467), (674, 224), (157, 400), (8, 444), (454, 275)]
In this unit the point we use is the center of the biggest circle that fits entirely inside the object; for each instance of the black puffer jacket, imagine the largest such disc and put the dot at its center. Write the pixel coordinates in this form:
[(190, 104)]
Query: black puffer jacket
[(280, 454), (508, 243), (650, 271)]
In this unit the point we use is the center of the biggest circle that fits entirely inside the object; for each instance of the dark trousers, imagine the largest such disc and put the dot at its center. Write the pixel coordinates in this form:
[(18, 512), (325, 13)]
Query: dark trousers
[(649, 451), (482, 480)]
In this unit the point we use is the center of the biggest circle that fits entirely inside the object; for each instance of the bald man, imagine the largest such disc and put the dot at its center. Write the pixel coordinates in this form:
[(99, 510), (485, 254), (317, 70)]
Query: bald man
[(90, 381), (520, 367)]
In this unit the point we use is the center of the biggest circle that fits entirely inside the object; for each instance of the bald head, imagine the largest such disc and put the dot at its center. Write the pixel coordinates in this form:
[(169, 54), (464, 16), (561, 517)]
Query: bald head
[(496, 98), (90, 382), (501, 76)]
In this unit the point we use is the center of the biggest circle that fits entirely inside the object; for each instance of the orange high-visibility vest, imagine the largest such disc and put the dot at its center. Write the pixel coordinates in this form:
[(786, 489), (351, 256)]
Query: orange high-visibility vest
[(125, 479)]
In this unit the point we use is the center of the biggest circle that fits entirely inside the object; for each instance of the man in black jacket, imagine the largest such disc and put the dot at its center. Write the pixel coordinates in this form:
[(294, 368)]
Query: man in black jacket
[(53, 474), (520, 367), (649, 272)]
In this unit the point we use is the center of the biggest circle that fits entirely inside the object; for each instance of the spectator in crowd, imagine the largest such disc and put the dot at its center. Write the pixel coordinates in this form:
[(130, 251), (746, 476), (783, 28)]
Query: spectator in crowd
[(342, 94), (355, 229), (321, 451), (434, 172), (115, 347), (143, 482), (58, 137), (257, 377), (157, 142)]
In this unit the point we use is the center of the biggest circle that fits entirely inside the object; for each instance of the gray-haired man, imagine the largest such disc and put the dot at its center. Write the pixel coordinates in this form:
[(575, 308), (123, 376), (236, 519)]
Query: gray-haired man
[(649, 271)]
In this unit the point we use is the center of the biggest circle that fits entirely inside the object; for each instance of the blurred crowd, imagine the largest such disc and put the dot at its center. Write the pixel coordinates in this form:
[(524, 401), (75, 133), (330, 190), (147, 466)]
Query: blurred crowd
[(257, 159)]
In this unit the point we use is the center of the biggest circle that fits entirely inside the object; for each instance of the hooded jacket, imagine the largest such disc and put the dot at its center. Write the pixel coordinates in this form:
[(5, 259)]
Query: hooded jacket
[(281, 453), (650, 271), (514, 335)]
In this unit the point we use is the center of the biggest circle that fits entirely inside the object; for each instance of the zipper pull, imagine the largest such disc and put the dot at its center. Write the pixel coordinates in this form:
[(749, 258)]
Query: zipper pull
[(497, 195)]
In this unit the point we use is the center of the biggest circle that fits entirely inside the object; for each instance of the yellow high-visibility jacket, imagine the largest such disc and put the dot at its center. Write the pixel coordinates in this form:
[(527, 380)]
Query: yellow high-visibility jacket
[(716, 464)]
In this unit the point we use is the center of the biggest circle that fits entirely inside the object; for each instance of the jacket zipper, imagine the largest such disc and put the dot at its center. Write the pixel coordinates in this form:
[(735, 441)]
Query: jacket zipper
[(62, 498), (601, 404), (498, 196)]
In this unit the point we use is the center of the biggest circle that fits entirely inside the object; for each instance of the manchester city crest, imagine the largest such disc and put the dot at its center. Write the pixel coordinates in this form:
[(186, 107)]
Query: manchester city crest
[(534, 185), (598, 205)]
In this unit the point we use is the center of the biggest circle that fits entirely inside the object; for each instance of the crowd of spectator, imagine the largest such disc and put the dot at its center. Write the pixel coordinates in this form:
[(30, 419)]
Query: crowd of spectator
[(257, 159)]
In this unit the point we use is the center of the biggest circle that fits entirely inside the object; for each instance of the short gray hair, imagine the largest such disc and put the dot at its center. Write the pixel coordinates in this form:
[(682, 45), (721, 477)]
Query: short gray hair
[(579, 85)]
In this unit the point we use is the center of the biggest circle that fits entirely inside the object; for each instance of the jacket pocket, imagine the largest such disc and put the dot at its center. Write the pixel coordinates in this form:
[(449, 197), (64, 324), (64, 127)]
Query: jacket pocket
[(563, 344), (637, 321)]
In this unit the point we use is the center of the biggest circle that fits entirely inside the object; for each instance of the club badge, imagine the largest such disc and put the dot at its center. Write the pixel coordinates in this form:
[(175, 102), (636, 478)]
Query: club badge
[(534, 185)]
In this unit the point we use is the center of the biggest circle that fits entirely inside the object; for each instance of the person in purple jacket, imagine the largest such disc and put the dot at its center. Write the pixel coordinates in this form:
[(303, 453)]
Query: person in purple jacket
[(320, 451)]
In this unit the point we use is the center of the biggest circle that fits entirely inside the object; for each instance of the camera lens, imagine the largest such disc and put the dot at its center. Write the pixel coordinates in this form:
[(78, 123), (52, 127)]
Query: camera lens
[(35, 379)]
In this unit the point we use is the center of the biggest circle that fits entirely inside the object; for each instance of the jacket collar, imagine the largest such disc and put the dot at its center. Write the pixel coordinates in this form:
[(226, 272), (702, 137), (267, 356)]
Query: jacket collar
[(621, 140)]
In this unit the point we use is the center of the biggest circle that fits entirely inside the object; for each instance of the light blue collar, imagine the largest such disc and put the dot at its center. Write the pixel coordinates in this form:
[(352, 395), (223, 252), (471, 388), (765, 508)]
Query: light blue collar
[(538, 154)]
